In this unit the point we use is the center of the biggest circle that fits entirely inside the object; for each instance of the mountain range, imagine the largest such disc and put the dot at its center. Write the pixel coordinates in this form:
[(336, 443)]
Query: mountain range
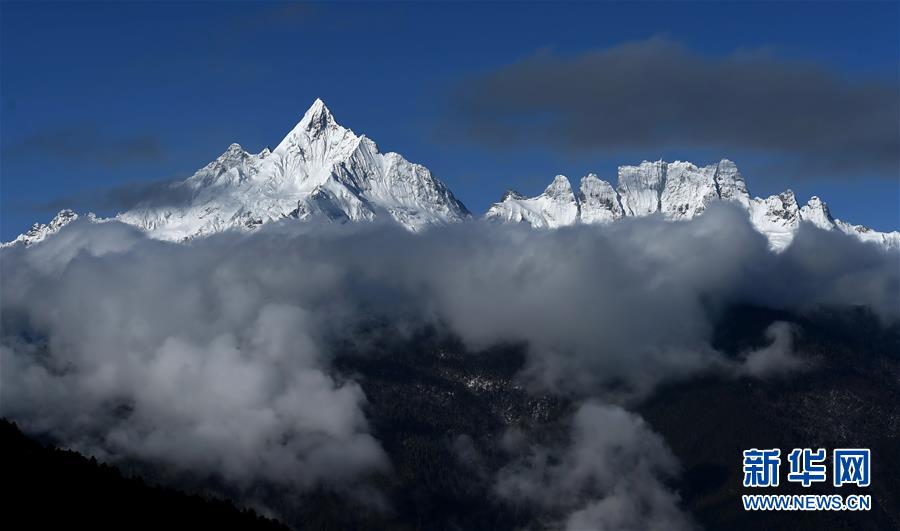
[(322, 169)]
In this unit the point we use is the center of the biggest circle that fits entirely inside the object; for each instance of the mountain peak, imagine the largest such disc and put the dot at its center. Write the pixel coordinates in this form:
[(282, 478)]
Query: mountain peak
[(511, 194), (788, 197), (233, 153), (312, 147), (560, 187), (317, 117), (39, 231), (556, 207), (816, 211), (318, 169), (727, 164), (590, 178)]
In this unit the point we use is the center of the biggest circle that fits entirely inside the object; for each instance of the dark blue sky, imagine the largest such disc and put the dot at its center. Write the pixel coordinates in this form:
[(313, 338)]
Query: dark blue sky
[(96, 96)]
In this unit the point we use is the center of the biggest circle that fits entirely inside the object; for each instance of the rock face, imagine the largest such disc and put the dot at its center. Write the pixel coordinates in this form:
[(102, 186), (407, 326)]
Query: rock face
[(677, 191), (320, 168), (599, 202)]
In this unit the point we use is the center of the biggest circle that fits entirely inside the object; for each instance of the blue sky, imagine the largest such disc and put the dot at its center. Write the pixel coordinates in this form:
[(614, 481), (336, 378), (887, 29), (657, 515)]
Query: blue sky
[(94, 96)]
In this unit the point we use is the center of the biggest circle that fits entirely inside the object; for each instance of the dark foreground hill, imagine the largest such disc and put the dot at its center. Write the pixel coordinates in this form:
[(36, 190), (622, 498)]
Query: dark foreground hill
[(48, 488)]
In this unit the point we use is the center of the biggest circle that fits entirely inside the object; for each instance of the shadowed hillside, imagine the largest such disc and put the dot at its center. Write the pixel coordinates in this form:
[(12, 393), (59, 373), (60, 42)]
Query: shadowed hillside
[(49, 488)]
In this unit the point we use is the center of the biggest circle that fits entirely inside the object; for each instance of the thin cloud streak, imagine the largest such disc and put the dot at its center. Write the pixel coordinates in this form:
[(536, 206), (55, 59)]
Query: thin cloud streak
[(88, 144)]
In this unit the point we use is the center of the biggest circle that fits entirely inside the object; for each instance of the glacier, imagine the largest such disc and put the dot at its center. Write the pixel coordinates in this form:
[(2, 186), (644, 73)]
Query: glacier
[(322, 169)]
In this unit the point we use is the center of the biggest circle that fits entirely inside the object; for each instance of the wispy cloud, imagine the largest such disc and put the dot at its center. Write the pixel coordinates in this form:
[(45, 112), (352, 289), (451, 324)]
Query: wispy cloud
[(161, 193), (87, 144), (611, 475)]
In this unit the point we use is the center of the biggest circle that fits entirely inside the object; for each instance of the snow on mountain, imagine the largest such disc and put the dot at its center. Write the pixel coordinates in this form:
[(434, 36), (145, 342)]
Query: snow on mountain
[(679, 191), (40, 231), (556, 207), (640, 187), (888, 240), (777, 216), (320, 168), (598, 201)]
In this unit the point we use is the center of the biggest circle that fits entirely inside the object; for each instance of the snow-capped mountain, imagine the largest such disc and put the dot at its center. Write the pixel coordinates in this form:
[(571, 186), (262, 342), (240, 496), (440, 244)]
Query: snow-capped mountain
[(323, 169), (319, 168), (679, 191), (556, 207), (40, 231)]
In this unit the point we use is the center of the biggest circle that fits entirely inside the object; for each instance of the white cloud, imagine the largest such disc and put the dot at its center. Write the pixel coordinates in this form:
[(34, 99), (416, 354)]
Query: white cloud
[(777, 357), (610, 476), (214, 357)]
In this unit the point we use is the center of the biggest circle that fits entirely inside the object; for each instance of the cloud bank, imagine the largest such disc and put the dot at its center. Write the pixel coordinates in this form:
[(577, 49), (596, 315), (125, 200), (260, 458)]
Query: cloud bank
[(647, 95), (215, 356), (123, 347)]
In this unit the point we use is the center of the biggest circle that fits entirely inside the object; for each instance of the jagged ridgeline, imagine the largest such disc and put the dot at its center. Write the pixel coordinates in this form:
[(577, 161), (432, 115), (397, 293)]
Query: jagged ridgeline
[(679, 191), (324, 170)]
